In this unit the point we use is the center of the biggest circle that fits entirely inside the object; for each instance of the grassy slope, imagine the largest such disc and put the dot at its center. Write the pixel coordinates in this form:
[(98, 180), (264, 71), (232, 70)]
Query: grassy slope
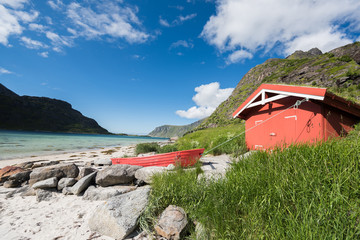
[(337, 71), (304, 192)]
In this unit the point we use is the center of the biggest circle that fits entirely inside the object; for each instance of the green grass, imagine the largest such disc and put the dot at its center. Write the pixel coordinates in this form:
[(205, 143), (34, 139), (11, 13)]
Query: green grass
[(211, 137), (303, 192)]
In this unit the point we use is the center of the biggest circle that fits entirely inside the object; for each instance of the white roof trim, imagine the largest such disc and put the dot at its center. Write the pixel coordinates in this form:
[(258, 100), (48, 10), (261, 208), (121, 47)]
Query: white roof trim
[(281, 94)]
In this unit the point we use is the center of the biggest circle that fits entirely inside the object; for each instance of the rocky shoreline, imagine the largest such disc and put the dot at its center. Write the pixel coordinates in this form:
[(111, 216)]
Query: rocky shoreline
[(86, 200)]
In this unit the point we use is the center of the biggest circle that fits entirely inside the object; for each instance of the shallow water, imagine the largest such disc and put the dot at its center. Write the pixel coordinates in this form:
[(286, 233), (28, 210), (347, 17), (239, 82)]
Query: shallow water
[(17, 144)]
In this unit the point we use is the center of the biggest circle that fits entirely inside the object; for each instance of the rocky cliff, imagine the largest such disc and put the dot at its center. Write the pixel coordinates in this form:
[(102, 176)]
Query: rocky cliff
[(42, 114), (169, 131), (337, 70)]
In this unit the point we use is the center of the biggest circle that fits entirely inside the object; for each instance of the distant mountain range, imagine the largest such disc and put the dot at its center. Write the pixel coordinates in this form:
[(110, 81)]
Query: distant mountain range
[(169, 131), (42, 114)]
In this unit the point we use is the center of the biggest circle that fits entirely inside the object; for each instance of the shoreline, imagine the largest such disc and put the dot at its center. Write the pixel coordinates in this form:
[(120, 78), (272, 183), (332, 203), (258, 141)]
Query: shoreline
[(78, 156)]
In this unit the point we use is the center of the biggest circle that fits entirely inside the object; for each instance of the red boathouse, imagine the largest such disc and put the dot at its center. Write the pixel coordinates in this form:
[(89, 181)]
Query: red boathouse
[(271, 119)]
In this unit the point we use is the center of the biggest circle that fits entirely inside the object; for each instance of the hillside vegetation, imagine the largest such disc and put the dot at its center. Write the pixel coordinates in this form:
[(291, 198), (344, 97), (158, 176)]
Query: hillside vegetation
[(303, 192), (337, 70), (169, 131)]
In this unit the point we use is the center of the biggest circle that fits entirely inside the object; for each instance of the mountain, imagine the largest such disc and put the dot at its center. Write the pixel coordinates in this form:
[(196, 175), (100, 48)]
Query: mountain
[(337, 70), (42, 114), (169, 131)]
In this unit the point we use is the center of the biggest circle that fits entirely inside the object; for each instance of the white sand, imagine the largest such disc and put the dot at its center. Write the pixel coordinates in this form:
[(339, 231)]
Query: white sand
[(63, 217)]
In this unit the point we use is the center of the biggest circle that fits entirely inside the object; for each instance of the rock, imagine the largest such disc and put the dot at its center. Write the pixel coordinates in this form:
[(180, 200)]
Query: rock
[(116, 174), (25, 165), (43, 195), (12, 184), (103, 193), (103, 162), (145, 174), (21, 176), (85, 171), (67, 191), (172, 221), (7, 171), (47, 183), (44, 163), (118, 216), (83, 183), (27, 191), (65, 182), (58, 171), (22, 190), (170, 167)]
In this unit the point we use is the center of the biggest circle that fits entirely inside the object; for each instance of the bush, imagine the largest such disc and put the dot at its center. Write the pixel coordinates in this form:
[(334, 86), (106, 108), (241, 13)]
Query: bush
[(168, 148), (146, 147)]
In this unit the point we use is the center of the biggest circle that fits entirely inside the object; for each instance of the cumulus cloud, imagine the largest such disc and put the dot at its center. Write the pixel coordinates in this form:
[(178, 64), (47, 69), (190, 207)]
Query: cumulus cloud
[(259, 25), (178, 21), (4, 71), (108, 19), (238, 56), (11, 17), (207, 99)]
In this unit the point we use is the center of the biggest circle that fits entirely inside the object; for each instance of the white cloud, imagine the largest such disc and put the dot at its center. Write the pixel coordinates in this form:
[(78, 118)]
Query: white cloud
[(109, 20), (4, 71), (207, 99), (181, 43), (44, 54), (16, 4), (164, 22), (238, 56), (32, 44), (178, 21), (36, 27), (259, 25), (9, 25), (56, 5), (325, 40)]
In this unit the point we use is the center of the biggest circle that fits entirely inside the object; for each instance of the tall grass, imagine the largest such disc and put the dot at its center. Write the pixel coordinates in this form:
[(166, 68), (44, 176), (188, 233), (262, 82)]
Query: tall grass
[(303, 192), (212, 137)]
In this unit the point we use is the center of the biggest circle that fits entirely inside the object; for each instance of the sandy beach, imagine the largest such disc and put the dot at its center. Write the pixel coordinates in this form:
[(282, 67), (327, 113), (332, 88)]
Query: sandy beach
[(64, 216)]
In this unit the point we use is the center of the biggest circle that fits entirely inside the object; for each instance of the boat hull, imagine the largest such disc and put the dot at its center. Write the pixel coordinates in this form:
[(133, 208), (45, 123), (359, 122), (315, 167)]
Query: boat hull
[(184, 158)]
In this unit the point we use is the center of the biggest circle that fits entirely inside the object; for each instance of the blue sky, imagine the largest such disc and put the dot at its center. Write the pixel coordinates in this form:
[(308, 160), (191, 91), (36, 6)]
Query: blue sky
[(136, 65)]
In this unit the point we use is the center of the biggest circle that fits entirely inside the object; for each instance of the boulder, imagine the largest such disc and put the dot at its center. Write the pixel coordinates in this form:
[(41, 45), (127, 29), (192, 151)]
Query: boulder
[(103, 162), (118, 216), (172, 221), (85, 171), (103, 193), (23, 191), (47, 183), (25, 165), (67, 191), (145, 174), (83, 184), (65, 182), (43, 195), (11, 184), (7, 171), (44, 163), (21, 176), (116, 174), (58, 171)]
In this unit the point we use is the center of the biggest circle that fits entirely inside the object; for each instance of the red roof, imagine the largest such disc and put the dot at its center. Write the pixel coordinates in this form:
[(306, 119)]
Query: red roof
[(312, 93)]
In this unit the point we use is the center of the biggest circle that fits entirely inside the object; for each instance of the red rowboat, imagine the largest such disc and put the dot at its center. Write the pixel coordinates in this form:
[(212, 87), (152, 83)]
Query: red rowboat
[(184, 158)]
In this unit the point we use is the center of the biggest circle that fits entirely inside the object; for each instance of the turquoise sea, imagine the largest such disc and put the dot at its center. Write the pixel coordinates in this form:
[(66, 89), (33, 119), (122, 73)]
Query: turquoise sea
[(16, 144)]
